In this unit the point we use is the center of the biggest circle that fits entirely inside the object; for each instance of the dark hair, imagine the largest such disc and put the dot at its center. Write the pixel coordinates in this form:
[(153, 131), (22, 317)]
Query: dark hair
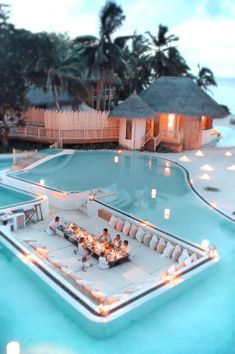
[(82, 239), (105, 230), (57, 218), (125, 242), (118, 236), (102, 254), (84, 258)]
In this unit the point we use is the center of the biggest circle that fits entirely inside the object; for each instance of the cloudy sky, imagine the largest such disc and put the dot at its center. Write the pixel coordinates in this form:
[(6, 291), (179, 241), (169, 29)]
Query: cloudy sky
[(206, 27)]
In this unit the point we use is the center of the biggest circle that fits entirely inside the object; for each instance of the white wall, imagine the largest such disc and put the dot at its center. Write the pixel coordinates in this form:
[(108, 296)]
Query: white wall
[(138, 132), (207, 137)]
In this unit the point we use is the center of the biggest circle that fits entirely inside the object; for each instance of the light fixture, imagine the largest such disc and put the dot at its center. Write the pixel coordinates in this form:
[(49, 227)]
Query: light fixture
[(153, 193), (115, 159), (184, 159), (13, 348), (42, 182), (91, 196), (207, 168), (119, 151), (199, 153), (103, 309), (205, 244), (231, 168), (167, 213), (167, 171), (205, 176), (213, 204), (213, 252), (167, 163), (228, 153)]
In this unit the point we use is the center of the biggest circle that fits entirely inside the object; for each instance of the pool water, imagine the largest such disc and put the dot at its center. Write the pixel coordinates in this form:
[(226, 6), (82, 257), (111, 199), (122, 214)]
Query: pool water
[(199, 319), (12, 197), (5, 162)]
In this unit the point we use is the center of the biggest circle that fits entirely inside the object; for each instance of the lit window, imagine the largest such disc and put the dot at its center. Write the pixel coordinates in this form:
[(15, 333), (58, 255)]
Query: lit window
[(171, 121), (203, 122)]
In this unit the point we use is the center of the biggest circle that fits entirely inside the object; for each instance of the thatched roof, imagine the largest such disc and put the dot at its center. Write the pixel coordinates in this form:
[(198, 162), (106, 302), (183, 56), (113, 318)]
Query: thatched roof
[(180, 95), (133, 107), (38, 97)]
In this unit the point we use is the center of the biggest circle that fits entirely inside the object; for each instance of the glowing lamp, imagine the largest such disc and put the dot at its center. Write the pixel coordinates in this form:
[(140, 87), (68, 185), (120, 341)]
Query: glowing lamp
[(213, 252), (13, 348), (228, 153), (153, 193), (119, 151), (103, 309), (213, 204), (205, 244), (115, 159), (185, 159), (42, 182), (205, 176), (199, 153), (167, 213), (91, 196), (167, 171), (231, 168), (207, 168), (167, 163)]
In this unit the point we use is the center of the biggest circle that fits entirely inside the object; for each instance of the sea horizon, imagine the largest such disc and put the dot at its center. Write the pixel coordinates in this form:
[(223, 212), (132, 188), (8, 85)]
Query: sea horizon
[(224, 92)]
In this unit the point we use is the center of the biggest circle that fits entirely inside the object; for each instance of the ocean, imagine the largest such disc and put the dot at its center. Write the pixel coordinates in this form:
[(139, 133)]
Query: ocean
[(224, 92)]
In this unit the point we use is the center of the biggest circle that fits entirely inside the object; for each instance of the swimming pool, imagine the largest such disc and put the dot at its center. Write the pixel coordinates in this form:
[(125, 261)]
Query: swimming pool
[(198, 319), (5, 162), (11, 197)]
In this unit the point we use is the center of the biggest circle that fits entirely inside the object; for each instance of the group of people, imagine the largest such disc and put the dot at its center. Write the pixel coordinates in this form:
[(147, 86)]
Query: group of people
[(110, 247), (105, 256)]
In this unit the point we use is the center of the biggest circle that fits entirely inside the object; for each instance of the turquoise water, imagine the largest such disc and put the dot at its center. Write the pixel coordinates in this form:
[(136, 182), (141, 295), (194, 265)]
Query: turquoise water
[(5, 162), (10, 196), (199, 319)]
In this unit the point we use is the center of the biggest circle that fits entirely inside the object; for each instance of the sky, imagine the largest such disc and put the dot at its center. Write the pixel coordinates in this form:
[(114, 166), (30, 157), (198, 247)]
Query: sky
[(206, 28)]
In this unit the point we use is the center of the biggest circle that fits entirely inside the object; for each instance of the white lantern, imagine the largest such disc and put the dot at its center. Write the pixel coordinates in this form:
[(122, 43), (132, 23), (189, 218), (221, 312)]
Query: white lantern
[(228, 153), (13, 348), (205, 176), (185, 159), (153, 193), (115, 159), (199, 153), (231, 168), (167, 213), (42, 182), (207, 168), (205, 244)]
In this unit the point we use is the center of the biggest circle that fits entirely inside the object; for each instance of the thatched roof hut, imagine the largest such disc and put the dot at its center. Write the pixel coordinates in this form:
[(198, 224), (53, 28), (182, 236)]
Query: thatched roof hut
[(180, 95), (132, 108)]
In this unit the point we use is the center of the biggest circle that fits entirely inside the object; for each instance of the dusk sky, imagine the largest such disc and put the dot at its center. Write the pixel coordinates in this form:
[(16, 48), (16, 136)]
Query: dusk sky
[(206, 27)]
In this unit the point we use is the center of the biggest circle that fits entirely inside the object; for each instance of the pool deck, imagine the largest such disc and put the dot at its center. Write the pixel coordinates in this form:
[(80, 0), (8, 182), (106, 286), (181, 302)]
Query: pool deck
[(122, 278), (221, 178)]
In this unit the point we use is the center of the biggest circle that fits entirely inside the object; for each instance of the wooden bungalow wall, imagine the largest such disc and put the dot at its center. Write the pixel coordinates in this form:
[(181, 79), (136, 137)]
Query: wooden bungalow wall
[(191, 129)]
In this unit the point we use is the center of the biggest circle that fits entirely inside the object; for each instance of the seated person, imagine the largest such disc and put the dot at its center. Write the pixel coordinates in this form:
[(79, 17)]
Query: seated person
[(82, 249), (51, 228), (117, 241), (110, 253), (85, 263), (103, 263), (104, 237)]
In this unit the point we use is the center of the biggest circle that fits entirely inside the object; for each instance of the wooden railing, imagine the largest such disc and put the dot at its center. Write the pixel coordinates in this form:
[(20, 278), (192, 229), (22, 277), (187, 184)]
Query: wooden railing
[(44, 134)]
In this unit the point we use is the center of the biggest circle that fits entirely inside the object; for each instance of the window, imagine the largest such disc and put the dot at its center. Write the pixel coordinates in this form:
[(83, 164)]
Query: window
[(128, 129), (171, 121), (203, 122)]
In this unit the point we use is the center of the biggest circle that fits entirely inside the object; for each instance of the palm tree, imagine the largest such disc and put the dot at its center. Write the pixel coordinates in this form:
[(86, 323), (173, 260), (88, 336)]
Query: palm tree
[(166, 59), (103, 57), (57, 69), (138, 59), (205, 78)]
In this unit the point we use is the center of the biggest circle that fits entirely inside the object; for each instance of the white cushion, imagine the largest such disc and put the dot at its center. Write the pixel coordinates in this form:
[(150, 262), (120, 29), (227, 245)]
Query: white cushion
[(176, 253), (183, 256), (126, 228), (179, 266), (194, 257), (168, 249), (187, 261), (133, 231), (113, 221), (147, 238), (153, 243), (139, 235), (172, 269), (119, 225), (161, 245)]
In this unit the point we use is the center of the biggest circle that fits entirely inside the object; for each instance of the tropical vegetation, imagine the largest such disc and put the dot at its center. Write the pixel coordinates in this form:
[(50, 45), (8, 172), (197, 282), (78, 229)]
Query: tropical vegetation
[(98, 70)]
